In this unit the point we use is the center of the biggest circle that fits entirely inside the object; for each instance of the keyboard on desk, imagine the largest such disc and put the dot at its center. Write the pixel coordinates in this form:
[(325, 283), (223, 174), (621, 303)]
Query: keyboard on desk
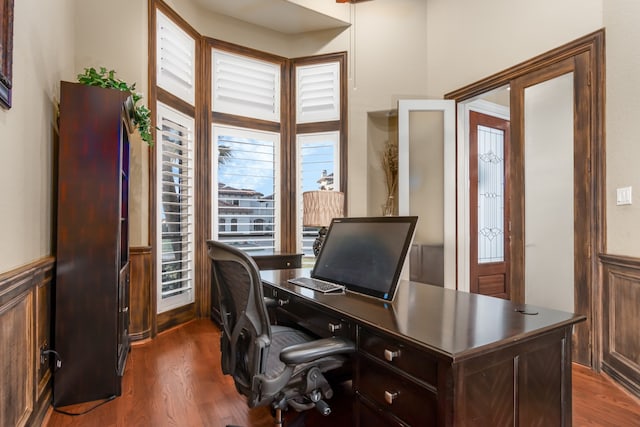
[(317, 285)]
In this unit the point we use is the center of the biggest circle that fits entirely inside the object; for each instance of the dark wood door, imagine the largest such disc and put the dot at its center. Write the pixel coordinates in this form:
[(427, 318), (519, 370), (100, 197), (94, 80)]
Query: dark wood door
[(489, 139)]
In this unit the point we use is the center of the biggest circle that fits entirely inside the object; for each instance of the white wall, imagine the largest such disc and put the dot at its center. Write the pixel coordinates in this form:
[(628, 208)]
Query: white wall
[(231, 30), (469, 40), (116, 37), (622, 114), (388, 61), (44, 42)]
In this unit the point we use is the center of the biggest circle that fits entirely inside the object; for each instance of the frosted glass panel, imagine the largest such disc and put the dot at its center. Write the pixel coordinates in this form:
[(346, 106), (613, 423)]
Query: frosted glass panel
[(426, 182), (549, 216), (426, 175), (490, 195)]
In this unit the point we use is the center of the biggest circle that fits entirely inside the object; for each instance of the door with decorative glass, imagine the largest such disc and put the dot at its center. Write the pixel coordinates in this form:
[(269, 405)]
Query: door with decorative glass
[(489, 217)]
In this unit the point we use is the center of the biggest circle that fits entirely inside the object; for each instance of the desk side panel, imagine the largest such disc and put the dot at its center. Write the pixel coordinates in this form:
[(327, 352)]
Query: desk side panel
[(531, 379)]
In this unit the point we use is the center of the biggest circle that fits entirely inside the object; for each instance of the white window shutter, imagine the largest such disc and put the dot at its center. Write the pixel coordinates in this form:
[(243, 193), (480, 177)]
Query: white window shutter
[(175, 67), (318, 92), (245, 86), (175, 207)]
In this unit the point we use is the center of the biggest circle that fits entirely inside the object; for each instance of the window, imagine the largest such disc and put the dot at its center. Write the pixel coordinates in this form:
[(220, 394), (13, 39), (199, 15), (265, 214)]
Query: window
[(318, 92), (245, 86), (318, 156), (175, 233), (246, 181), (175, 78), (246, 111), (175, 58), (319, 135)]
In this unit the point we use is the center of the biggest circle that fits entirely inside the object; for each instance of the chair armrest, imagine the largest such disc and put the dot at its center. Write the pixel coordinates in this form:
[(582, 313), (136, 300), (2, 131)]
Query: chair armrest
[(270, 302), (273, 302), (312, 350)]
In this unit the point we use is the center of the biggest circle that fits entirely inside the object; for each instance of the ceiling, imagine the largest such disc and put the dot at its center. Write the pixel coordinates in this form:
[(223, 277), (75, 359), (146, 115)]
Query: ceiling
[(279, 15)]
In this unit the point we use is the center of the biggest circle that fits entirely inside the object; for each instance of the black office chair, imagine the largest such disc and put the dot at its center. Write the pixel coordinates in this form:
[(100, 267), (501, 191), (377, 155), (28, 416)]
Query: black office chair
[(271, 365)]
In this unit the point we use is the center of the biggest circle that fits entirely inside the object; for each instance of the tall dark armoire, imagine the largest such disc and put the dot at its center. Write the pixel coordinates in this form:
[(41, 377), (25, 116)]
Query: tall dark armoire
[(91, 312)]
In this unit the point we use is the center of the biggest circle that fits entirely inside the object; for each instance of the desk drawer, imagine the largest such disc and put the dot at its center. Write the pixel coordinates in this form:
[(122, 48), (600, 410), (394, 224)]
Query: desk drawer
[(415, 405), (410, 360), (278, 261), (318, 322), (369, 415)]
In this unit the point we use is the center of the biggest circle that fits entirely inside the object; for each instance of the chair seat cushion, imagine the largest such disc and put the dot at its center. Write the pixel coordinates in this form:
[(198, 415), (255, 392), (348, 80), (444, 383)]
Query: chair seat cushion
[(282, 337)]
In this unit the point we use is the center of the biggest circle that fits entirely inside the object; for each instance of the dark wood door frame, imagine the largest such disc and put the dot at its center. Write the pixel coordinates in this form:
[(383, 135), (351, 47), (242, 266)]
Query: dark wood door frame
[(585, 57)]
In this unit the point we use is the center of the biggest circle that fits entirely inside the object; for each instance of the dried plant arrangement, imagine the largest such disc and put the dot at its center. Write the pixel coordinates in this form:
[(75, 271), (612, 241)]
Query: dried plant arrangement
[(390, 168)]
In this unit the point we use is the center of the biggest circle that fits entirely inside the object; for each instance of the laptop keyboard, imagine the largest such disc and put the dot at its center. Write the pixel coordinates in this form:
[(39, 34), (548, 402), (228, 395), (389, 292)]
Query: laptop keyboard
[(316, 285)]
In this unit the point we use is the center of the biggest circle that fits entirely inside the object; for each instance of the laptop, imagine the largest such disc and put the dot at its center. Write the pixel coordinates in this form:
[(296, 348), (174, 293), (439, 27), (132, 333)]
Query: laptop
[(363, 255)]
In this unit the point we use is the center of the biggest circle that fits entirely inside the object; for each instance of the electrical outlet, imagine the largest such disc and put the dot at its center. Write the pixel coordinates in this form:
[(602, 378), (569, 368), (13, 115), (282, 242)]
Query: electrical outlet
[(44, 355)]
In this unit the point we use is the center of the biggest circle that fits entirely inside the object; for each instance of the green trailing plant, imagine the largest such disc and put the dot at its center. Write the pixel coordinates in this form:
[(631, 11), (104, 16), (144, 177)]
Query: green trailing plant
[(107, 79)]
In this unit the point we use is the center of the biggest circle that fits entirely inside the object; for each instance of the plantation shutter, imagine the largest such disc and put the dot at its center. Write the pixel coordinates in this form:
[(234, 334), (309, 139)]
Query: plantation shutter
[(318, 92), (245, 86), (175, 165), (175, 59)]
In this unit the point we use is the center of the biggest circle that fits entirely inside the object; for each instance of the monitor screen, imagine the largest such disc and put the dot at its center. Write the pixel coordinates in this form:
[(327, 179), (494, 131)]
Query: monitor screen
[(366, 255)]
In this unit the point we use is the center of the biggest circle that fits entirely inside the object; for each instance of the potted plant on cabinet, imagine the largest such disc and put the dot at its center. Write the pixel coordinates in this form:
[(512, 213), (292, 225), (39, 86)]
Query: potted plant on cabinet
[(107, 79)]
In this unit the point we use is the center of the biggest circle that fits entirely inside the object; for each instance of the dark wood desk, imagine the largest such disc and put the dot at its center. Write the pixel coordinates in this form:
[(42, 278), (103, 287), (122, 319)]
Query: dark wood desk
[(278, 261), (438, 357)]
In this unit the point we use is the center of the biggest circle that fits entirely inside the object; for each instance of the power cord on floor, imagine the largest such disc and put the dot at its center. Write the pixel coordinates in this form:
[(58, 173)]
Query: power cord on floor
[(75, 414), (57, 365)]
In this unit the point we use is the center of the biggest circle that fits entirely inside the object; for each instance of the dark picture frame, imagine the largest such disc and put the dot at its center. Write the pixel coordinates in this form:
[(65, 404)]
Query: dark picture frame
[(6, 52)]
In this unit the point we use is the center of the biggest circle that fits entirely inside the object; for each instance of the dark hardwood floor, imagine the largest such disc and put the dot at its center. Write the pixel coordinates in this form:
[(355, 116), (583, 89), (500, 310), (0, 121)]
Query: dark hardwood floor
[(175, 380)]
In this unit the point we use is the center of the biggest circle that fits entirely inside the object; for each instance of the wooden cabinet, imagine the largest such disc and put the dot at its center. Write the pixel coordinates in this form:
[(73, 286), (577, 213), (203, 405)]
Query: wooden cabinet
[(92, 251)]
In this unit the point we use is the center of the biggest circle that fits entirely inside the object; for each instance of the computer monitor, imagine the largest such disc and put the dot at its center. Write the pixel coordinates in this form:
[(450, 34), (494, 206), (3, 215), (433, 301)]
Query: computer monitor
[(366, 255)]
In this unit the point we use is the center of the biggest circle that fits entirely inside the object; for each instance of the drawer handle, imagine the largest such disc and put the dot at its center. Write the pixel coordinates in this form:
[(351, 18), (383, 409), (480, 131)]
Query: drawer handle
[(389, 397), (333, 327), (389, 355)]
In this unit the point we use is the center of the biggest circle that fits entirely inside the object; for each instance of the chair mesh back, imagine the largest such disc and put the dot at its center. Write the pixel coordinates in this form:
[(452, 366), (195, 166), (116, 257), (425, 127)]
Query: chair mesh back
[(236, 287), (244, 317)]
